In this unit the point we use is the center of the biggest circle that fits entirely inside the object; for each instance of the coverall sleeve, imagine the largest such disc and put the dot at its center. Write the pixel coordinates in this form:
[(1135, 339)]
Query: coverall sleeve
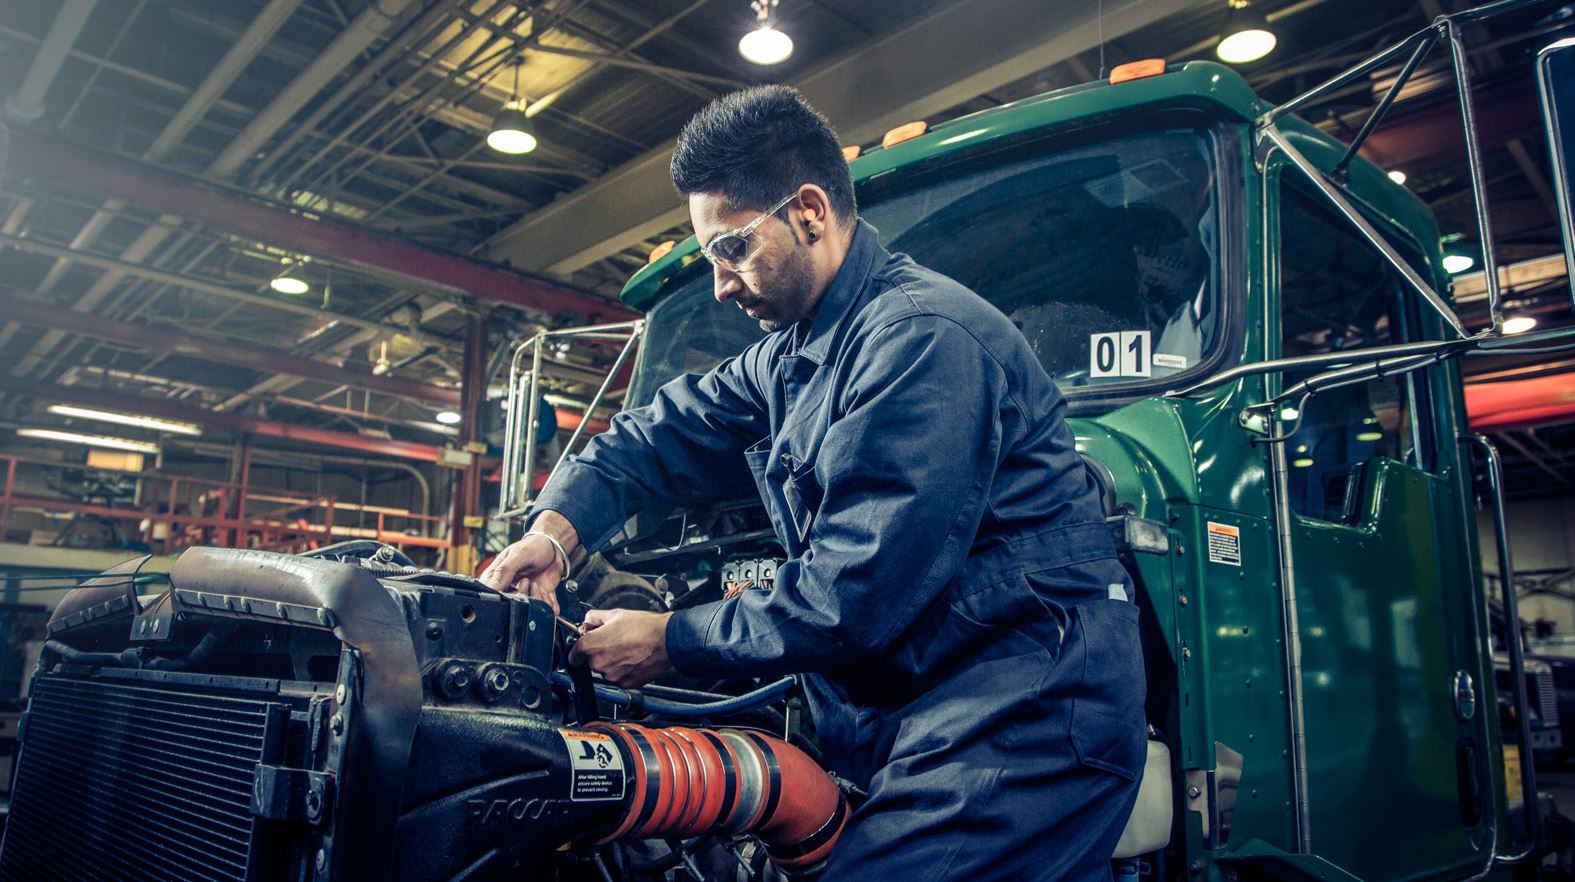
[(905, 474), (687, 444)]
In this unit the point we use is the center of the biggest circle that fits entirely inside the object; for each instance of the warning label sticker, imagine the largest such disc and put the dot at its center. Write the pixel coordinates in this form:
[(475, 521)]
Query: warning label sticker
[(1224, 544), (596, 766)]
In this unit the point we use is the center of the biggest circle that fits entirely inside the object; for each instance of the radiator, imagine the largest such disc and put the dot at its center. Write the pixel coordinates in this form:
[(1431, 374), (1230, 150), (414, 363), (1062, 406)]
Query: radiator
[(126, 781)]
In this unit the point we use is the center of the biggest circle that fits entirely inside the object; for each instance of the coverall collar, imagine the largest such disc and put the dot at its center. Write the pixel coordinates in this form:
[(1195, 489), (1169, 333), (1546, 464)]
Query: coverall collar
[(814, 335)]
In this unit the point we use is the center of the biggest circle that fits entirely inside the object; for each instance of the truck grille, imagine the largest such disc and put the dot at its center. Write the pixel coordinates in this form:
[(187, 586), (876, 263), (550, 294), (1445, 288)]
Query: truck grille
[(122, 782)]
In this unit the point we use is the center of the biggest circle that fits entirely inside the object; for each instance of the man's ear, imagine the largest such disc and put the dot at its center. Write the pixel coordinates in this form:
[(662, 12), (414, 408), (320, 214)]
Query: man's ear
[(814, 210)]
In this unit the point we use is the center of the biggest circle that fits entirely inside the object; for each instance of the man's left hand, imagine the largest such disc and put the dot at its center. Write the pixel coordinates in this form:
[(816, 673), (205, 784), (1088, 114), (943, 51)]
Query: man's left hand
[(626, 646)]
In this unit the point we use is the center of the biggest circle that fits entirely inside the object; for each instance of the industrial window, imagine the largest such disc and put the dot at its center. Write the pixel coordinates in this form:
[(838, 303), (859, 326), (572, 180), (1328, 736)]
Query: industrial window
[(1338, 293)]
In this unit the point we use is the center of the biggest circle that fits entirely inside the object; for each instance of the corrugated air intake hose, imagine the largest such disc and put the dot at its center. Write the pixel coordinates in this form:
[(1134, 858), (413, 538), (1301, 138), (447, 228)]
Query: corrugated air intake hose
[(690, 782)]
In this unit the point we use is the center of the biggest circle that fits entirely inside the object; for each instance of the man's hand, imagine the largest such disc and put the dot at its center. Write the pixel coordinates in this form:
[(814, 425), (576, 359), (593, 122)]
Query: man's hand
[(532, 566), (626, 646)]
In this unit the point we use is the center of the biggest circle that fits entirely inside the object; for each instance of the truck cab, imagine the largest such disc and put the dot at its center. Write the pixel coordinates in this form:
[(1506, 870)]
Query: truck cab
[(1305, 550)]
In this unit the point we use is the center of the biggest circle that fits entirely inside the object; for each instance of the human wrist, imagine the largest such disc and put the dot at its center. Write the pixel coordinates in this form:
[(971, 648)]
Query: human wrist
[(557, 528)]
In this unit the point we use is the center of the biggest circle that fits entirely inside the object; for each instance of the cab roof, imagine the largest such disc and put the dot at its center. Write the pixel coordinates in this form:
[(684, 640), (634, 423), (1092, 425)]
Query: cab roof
[(1202, 85)]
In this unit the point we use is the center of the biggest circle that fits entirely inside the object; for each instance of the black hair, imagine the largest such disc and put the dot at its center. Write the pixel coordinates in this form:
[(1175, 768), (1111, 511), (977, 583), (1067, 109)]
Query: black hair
[(759, 144)]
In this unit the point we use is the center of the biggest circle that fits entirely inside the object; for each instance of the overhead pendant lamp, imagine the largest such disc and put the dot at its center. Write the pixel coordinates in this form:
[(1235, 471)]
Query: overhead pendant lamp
[(512, 131), (765, 45), (1246, 37), (289, 281)]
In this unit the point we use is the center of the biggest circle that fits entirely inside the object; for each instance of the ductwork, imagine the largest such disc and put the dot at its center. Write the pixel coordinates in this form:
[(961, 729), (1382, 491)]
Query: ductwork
[(28, 102)]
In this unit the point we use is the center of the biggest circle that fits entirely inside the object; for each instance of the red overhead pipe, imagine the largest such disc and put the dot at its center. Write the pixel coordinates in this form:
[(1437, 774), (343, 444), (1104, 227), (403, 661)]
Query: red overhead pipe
[(110, 176), (1518, 404)]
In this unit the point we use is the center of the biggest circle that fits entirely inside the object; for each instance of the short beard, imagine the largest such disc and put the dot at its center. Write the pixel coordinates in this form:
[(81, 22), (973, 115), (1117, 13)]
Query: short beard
[(794, 275)]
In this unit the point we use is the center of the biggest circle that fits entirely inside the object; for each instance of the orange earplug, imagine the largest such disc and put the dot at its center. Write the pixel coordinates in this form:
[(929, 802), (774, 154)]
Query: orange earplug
[(809, 215)]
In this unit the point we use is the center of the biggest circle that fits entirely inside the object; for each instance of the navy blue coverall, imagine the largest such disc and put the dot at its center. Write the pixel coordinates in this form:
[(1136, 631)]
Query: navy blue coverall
[(952, 593)]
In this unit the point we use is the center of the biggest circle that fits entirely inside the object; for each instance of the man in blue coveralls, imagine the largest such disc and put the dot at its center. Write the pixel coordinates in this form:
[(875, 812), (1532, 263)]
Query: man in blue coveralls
[(952, 595)]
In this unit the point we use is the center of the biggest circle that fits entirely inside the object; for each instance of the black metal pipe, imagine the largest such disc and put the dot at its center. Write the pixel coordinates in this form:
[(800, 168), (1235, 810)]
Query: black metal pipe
[(1517, 661), (1422, 48)]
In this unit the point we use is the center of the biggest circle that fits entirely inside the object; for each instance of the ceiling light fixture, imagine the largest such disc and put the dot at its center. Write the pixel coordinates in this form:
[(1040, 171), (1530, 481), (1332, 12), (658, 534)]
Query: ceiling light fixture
[(765, 45), (1246, 36), (289, 281), (448, 417), (90, 440), (512, 131), (1397, 176), (124, 419), (1519, 324), (1455, 264)]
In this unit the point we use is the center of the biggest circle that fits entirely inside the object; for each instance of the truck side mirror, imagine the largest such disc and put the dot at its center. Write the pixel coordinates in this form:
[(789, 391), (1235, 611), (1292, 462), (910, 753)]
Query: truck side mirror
[(1556, 87)]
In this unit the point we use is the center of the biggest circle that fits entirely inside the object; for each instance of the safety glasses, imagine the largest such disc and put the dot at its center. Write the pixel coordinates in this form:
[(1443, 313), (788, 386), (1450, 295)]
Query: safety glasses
[(728, 250)]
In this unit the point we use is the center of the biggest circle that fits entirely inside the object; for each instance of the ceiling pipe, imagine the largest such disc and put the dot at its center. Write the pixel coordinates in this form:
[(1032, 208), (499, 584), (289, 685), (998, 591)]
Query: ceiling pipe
[(417, 31), (28, 102), (218, 81), (373, 22), (1519, 404)]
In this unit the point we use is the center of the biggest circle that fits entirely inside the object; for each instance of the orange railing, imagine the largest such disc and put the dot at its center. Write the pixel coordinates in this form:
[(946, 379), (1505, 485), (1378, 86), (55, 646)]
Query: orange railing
[(171, 512)]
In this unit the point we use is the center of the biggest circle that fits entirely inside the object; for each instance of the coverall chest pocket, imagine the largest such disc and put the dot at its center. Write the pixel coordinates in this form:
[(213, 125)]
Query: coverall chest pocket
[(789, 489), (801, 495)]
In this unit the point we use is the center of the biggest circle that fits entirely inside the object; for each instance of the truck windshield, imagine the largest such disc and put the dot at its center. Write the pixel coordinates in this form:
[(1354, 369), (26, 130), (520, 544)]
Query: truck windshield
[(1106, 256)]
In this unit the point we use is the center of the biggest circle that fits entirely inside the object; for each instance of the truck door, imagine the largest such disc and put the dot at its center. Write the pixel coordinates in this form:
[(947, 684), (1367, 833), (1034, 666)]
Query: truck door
[(1379, 566)]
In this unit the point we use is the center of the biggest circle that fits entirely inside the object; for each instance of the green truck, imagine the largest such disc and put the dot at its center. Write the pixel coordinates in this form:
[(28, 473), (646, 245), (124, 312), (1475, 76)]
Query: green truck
[(1245, 318)]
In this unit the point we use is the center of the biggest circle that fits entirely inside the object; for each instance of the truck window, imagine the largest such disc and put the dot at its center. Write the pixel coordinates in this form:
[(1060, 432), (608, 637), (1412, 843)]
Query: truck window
[(1106, 241), (1337, 293), (1116, 239)]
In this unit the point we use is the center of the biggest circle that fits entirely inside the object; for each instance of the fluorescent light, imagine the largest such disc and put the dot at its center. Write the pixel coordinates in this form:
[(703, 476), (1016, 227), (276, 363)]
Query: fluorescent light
[(1397, 176), (448, 417), (1458, 263), (765, 46), (1290, 413), (1302, 463), (1369, 436), (90, 440), (1519, 324), (124, 419)]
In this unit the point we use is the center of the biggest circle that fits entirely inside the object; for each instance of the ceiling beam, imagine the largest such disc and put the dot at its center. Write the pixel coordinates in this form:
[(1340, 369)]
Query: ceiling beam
[(961, 51), (251, 298), (172, 341), (105, 399), (336, 240), (1503, 111)]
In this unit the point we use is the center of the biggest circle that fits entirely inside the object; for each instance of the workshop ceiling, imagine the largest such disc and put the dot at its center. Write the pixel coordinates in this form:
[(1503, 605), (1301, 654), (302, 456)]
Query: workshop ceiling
[(375, 114)]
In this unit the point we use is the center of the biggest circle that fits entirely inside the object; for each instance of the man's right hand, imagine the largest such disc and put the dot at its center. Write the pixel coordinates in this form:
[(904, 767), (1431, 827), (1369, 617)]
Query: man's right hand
[(532, 566)]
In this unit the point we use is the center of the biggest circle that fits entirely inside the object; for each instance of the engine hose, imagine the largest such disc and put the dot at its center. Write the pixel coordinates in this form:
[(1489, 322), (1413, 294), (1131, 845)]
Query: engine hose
[(753, 700), (692, 782), (126, 658)]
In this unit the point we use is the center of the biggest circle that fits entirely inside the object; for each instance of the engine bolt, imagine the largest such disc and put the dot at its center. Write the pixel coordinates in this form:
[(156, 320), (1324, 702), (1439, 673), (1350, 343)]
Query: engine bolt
[(337, 723), (494, 684), (322, 859), (341, 693), (454, 679), (1194, 792)]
